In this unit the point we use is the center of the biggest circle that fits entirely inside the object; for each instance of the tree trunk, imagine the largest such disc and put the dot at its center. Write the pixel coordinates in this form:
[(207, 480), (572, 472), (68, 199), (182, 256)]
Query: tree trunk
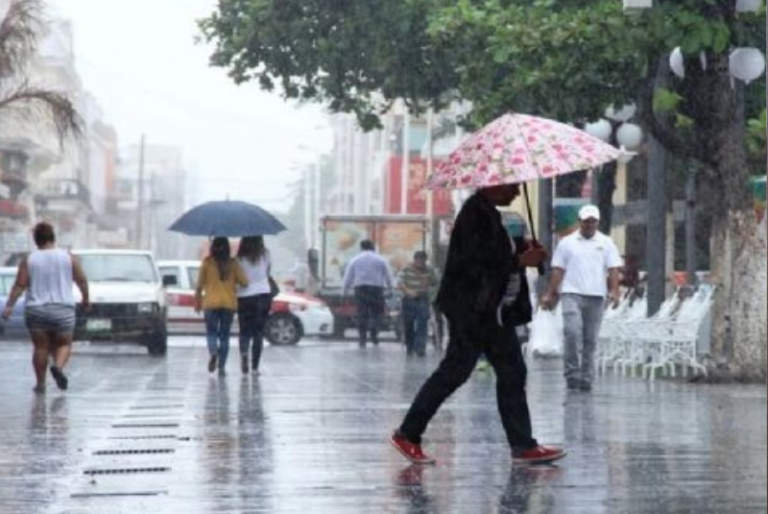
[(740, 310), (606, 185), (738, 264), (570, 184)]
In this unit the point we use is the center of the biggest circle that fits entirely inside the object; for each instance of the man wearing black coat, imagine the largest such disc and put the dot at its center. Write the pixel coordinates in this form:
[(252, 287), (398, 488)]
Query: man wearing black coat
[(483, 294)]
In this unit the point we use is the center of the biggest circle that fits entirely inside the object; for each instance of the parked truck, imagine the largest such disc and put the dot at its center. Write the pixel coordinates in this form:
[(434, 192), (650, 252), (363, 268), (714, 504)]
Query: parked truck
[(396, 238)]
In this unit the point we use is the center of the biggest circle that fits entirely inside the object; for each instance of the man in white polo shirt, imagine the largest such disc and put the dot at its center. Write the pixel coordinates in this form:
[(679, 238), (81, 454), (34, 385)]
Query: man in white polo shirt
[(585, 267)]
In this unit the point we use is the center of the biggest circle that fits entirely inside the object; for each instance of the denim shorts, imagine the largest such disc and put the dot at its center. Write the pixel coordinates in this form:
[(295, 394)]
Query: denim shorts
[(52, 317)]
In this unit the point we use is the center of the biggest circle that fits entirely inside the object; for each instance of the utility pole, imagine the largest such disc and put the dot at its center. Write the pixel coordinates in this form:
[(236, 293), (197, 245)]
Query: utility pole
[(430, 205), (405, 168), (140, 195)]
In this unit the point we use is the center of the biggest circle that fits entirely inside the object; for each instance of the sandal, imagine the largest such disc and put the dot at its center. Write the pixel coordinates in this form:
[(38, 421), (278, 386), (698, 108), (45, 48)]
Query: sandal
[(61, 379)]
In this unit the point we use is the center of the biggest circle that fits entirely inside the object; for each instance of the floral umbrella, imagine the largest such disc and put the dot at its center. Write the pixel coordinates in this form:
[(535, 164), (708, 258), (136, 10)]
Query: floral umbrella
[(516, 148)]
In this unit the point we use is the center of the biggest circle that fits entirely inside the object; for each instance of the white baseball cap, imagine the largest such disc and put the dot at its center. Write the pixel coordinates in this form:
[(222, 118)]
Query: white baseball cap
[(589, 211)]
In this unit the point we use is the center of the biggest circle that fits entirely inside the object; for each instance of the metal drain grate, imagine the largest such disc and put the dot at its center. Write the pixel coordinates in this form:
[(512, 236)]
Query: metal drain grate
[(149, 451), (150, 407), (125, 471), (151, 415), (144, 437), (109, 495), (145, 425)]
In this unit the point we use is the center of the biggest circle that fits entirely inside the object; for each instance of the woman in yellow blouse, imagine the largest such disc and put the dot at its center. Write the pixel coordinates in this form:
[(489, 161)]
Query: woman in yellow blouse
[(216, 296)]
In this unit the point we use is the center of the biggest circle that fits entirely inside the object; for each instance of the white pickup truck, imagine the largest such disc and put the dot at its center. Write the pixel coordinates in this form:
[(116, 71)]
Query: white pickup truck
[(128, 301)]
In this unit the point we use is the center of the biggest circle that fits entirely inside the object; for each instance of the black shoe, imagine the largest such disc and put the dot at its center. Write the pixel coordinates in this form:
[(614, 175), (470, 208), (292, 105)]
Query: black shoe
[(244, 364), (573, 384), (61, 379), (212, 363), (585, 386)]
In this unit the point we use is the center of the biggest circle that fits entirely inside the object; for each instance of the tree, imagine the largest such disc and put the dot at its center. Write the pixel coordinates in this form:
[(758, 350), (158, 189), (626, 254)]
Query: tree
[(19, 32), (566, 60)]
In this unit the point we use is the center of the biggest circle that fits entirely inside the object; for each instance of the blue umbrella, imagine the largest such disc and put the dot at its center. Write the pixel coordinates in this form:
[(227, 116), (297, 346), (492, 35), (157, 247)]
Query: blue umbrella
[(227, 218)]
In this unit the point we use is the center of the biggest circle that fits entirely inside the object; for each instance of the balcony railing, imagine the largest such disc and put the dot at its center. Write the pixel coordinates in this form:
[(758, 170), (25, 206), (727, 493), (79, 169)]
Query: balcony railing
[(64, 189)]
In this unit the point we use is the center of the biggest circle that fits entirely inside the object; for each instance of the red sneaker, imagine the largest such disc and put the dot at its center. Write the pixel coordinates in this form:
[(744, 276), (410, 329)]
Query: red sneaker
[(410, 451), (538, 455)]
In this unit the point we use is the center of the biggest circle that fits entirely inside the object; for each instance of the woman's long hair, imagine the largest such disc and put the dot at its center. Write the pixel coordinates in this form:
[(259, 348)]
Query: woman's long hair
[(252, 248), (220, 253)]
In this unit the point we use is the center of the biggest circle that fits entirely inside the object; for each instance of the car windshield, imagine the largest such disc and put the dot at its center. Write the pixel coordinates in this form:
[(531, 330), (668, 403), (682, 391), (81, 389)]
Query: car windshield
[(118, 268)]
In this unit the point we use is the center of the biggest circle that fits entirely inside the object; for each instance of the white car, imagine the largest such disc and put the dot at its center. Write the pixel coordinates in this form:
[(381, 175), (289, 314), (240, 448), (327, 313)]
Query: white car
[(127, 298), (292, 316)]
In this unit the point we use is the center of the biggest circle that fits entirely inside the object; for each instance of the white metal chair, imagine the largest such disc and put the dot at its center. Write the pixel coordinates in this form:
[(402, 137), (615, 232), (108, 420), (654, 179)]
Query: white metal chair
[(674, 343)]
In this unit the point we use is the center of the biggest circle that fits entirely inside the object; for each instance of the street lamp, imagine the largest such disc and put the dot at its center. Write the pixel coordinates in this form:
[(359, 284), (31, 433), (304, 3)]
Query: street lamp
[(615, 125), (614, 128)]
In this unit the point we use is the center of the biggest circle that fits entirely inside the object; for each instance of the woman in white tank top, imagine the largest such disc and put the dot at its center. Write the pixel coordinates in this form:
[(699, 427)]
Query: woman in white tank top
[(253, 300), (47, 274)]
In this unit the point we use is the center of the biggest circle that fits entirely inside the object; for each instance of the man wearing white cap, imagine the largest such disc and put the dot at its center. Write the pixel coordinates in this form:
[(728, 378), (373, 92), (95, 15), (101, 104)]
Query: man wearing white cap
[(580, 265)]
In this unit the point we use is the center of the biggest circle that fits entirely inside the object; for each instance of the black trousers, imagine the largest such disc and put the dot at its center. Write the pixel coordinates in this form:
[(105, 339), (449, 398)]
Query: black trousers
[(470, 335), (252, 314), (369, 301)]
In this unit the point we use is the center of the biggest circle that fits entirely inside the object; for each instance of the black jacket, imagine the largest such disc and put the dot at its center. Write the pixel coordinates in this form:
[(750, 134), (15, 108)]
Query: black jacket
[(479, 264)]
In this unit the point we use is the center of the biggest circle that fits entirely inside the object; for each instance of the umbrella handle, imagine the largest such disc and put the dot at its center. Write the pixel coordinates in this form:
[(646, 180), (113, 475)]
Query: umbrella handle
[(541, 268)]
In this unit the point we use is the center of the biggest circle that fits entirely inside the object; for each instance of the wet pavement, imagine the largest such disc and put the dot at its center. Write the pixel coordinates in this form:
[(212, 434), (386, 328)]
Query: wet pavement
[(136, 434)]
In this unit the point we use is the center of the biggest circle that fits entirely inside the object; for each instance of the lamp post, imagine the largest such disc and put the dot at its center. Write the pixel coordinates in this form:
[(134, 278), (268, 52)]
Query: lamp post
[(613, 128)]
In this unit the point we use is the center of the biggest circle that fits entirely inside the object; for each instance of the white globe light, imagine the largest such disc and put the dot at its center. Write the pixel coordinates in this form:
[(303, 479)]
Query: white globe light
[(747, 5), (623, 114), (629, 135), (676, 63), (600, 129), (746, 64)]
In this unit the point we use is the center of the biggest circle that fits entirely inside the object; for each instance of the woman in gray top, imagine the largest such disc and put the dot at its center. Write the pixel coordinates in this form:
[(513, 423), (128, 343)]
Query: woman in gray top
[(47, 275)]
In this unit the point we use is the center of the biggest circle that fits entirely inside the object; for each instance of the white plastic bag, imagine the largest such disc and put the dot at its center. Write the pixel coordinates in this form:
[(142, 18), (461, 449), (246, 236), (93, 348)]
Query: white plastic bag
[(546, 337)]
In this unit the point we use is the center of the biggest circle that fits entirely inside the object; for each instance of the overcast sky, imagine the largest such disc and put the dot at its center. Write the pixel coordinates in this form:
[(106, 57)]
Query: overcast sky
[(139, 59)]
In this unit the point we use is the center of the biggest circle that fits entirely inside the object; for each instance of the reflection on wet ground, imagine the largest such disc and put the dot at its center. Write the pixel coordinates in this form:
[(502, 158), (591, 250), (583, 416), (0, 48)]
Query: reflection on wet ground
[(135, 434)]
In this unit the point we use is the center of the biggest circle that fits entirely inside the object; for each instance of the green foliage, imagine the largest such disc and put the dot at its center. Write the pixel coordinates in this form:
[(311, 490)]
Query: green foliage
[(357, 55), (558, 58), (665, 101), (536, 58)]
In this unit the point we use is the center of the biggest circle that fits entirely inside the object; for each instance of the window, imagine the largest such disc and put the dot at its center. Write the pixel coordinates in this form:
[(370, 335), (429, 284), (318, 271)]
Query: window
[(171, 271)]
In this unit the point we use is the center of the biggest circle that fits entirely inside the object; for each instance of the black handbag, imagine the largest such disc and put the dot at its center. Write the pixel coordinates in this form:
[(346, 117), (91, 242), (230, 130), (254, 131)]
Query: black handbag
[(274, 289)]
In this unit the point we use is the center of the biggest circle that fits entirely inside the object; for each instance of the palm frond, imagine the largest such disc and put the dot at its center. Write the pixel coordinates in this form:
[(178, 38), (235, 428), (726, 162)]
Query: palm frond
[(19, 31), (51, 106)]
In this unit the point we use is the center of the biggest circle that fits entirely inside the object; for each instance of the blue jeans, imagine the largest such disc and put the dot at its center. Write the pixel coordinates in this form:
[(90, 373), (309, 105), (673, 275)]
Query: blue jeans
[(218, 324), (415, 320)]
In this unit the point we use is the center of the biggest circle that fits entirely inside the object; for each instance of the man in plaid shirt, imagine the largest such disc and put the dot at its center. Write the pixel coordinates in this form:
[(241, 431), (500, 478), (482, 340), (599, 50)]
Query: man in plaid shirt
[(417, 281)]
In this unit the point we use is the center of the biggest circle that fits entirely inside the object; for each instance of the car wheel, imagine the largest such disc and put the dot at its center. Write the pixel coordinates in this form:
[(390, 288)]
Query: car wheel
[(157, 345), (282, 329)]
